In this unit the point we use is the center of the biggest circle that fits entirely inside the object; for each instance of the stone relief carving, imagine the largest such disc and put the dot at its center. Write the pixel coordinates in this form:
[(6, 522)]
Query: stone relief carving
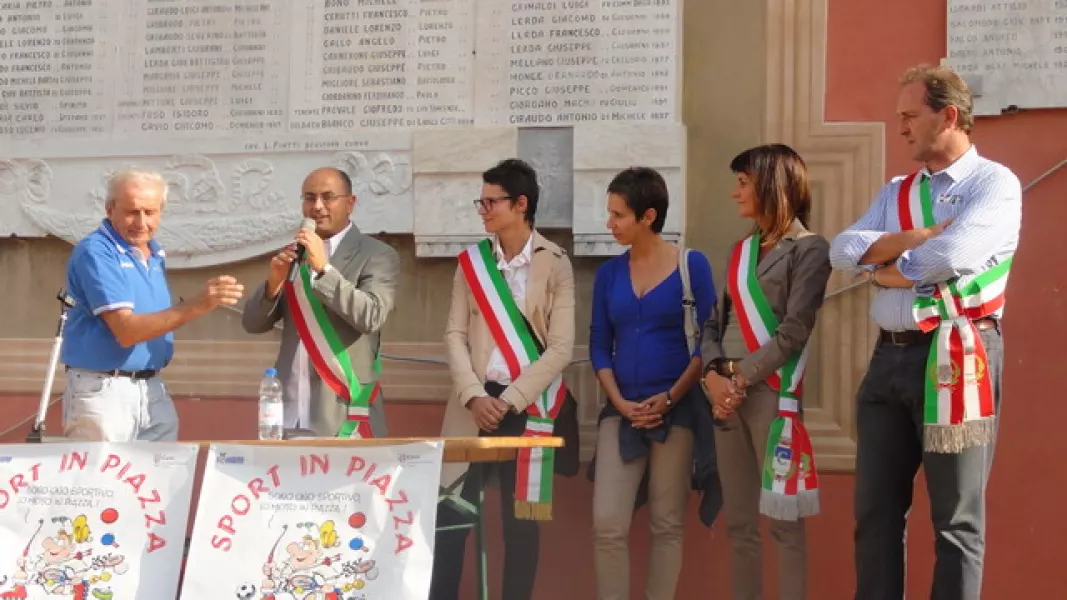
[(380, 175), (378, 179), (220, 208), (200, 214), (232, 206)]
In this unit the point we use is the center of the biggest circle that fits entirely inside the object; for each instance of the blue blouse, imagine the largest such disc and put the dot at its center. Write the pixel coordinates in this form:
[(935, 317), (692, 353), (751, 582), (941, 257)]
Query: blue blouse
[(643, 339)]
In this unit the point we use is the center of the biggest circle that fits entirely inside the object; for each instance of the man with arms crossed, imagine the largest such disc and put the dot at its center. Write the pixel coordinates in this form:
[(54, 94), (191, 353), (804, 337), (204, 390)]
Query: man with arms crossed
[(120, 332), (345, 291), (938, 245)]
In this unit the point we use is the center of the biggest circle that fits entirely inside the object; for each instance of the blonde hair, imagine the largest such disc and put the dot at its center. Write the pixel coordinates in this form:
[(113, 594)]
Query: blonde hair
[(119, 180), (328, 535), (81, 529), (944, 87)]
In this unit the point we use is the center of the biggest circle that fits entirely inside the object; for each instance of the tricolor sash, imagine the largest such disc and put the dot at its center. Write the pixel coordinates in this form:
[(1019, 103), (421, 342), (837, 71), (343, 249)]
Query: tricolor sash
[(330, 357), (790, 481), (958, 410), (533, 487)]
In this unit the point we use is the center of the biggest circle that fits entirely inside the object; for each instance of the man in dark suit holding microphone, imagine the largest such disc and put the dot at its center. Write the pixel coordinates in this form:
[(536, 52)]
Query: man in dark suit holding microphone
[(333, 288)]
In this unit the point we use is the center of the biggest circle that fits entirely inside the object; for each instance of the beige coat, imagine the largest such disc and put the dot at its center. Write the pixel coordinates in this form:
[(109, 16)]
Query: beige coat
[(468, 342)]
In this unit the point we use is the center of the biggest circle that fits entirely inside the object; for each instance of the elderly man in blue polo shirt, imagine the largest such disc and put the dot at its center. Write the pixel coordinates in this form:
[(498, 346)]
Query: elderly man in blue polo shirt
[(120, 333)]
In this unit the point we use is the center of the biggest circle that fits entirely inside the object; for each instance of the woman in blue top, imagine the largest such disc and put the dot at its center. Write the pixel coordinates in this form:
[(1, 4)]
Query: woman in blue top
[(642, 360)]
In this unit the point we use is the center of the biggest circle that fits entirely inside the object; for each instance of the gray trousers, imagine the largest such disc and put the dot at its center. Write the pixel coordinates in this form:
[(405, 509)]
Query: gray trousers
[(889, 422)]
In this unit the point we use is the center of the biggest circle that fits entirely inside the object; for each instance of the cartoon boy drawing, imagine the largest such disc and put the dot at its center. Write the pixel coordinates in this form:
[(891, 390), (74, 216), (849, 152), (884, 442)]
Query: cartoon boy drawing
[(60, 568), (307, 573)]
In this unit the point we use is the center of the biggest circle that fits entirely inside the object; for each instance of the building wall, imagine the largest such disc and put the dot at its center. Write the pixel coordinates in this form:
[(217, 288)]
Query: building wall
[(870, 44), (819, 75)]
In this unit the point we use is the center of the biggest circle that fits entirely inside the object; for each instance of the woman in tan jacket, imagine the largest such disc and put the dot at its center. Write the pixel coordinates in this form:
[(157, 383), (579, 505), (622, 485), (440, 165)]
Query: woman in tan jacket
[(509, 337), (754, 353)]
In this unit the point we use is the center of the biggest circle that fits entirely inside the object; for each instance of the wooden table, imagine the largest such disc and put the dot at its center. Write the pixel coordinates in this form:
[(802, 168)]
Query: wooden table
[(472, 450)]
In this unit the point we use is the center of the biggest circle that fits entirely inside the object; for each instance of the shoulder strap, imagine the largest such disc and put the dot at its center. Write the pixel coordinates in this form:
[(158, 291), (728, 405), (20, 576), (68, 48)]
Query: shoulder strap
[(689, 306)]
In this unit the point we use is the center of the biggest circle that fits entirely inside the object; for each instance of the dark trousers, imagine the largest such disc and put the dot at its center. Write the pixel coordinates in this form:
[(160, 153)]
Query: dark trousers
[(521, 537), (890, 424)]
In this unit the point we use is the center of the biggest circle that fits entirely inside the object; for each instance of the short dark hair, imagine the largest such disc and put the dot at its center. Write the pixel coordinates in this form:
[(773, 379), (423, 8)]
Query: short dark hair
[(783, 192), (642, 188), (517, 178)]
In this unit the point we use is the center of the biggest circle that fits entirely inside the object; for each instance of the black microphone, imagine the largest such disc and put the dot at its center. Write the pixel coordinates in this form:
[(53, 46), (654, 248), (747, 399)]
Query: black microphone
[(294, 267)]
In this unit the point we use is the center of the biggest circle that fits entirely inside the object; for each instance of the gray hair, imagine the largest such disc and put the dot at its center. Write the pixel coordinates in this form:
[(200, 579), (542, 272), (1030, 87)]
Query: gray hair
[(116, 182)]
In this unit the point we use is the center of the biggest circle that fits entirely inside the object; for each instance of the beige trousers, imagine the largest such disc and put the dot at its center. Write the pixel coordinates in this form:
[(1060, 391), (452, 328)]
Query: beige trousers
[(739, 450), (614, 493)]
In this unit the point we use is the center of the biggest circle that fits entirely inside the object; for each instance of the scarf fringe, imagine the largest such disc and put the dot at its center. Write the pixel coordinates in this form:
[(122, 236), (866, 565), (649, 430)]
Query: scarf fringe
[(778, 506), (533, 511), (784, 507), (954, 439), (808, 503)]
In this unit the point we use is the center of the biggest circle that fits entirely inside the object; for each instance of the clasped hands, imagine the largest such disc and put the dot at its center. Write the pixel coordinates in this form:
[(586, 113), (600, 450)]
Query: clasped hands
[(488, 411), (647, 414), (725, 394)]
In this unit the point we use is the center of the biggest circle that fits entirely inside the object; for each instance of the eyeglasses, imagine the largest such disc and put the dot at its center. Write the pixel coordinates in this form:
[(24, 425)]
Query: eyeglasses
[(487, 203), (327, 197)]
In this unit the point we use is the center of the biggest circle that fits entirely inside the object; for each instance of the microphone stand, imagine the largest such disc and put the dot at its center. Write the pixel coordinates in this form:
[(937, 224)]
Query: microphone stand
[(37, 432)]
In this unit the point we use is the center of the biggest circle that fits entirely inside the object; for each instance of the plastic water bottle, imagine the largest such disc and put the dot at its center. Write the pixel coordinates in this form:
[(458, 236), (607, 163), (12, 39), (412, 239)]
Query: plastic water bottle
[(270, 407)]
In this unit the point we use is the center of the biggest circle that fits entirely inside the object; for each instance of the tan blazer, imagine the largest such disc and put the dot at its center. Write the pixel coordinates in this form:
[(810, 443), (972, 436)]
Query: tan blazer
[(793, 277), (468, 342)]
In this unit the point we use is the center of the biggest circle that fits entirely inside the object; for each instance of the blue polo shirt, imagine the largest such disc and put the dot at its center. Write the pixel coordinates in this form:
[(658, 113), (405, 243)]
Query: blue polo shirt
[(105, 273)]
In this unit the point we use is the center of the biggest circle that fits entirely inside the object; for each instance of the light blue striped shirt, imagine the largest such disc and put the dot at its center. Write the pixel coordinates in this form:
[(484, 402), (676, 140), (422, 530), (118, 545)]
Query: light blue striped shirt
[(983, 196)]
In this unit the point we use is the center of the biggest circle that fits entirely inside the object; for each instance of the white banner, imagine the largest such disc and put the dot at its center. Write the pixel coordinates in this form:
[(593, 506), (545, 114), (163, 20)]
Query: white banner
[(315, 523), (93, 521)]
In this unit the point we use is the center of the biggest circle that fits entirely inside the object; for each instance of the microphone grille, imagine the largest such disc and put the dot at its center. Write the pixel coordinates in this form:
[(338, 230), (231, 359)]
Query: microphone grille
[(308, 224)]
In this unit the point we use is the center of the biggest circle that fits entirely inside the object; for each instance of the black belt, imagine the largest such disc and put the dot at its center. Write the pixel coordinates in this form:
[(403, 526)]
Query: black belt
[(914, 337), (142, 374)]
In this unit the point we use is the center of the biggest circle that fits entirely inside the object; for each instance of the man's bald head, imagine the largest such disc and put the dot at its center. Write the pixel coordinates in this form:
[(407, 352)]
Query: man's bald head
[(327, 198)]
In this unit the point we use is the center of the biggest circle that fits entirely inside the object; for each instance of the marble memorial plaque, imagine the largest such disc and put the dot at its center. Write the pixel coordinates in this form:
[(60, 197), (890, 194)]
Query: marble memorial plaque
[(1013, 51), (235, 100), (568, 62)]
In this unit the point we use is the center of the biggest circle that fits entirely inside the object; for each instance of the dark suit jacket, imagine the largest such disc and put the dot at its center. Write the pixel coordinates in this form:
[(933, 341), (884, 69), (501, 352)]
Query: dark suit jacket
[(793, 277), (358, 294)]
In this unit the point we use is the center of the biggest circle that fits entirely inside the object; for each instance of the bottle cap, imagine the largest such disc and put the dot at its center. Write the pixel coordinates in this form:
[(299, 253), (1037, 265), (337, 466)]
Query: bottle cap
[(272, 372)]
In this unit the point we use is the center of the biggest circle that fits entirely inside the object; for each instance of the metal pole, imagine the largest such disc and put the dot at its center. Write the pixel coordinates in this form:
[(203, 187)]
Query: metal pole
[(36, 434)]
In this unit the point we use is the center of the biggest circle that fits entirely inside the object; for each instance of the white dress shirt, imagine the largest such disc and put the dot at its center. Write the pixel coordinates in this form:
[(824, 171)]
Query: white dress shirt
[(298, 387), (516, 272)]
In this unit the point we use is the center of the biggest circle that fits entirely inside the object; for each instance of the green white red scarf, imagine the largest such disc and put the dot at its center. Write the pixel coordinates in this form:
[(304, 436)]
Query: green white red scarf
[(790, 481), (329, 356), (533, 486), (958, 411)]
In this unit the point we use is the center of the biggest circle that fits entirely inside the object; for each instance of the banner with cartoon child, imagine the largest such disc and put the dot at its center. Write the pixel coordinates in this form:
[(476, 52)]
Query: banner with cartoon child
[(315, 523), (93, 521)]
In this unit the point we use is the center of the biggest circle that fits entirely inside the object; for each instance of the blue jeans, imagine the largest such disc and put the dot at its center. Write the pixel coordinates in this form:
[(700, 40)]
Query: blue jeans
[(106, 408)]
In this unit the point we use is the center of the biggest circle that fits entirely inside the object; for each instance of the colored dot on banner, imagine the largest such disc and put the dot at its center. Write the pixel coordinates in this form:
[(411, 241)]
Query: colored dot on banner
[(355, 544), (107, 539), (109, 515), (357, 520)]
